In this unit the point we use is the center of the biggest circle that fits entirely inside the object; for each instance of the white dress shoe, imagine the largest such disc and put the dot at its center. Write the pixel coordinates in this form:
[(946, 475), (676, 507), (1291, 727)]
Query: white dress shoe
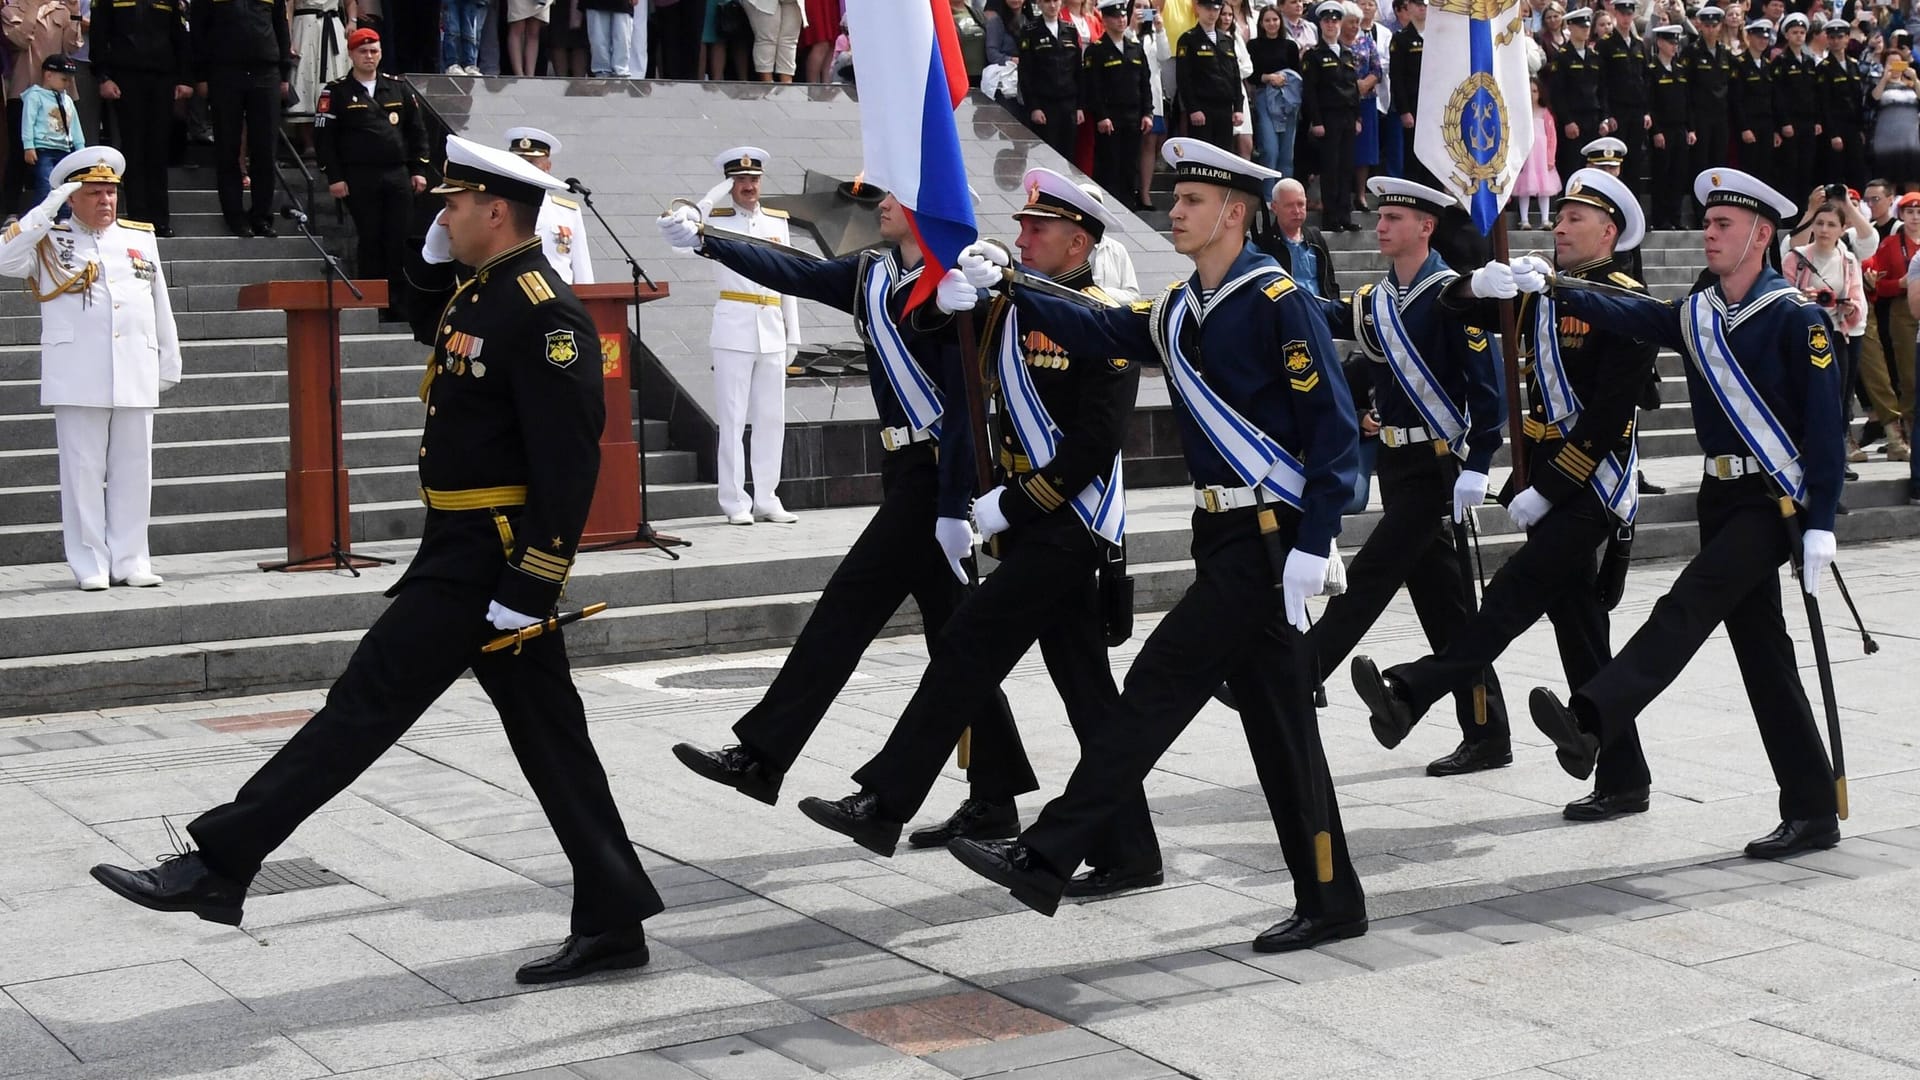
[(141, 579), (778, 517), (740, 519), (96, 583)]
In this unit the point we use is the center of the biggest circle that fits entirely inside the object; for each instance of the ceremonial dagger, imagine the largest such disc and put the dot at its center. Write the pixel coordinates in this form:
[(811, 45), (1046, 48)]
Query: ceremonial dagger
[(515, 639)]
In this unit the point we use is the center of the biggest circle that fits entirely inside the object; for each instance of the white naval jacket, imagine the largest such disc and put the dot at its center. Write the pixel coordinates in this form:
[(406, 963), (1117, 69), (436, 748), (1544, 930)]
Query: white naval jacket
[(563, 236), (107, 337), (747, 317)]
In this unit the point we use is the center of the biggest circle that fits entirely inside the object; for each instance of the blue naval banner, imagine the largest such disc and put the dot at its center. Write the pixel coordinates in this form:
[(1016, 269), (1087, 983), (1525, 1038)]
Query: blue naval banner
[(1474, 81)]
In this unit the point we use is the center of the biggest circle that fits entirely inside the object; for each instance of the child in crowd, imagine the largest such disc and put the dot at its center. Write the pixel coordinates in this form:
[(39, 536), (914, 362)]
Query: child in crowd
[(50, 126)]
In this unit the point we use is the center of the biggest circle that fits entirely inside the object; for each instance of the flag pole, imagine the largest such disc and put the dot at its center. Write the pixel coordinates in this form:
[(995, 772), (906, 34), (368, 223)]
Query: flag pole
[(1510, 357)]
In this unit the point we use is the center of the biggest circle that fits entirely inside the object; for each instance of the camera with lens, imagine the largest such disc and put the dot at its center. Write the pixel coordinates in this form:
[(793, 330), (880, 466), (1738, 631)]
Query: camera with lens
[(1824, 298)]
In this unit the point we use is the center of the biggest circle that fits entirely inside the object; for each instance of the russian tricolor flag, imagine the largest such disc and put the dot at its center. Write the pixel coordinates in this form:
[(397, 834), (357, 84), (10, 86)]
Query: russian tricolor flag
[(910, 79)]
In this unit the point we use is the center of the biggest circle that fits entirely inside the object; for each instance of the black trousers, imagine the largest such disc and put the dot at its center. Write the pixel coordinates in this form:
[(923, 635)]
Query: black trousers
[(1553, 574), (1411, 545), (244, 100), (1671, 185), (1793, 160), (141, 123), (1218, 128), (1044, 590), (1709, 146), (1847, 165), (1755, 158), (895, 557), (1411, 165), (1226, 627), (1633, 171), (1059, 129), (428, 636), (380, 198), (1336, 170), (1734, 580), (1116, 160), (1567, 158)]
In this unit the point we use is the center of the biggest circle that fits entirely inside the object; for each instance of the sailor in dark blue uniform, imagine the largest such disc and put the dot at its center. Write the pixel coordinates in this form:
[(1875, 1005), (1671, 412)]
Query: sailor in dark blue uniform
[(911, 547), (1436, 389), (1580, 497), (1270, 440), (1766, 399)]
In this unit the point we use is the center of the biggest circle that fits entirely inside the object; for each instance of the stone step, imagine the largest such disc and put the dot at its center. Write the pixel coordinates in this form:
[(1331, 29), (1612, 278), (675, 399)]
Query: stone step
[(217, 356), (242, 271), (35, 430), (200, 325)]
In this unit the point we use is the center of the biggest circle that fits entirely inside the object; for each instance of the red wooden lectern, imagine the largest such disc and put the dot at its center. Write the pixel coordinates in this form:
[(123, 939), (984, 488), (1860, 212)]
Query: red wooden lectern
[(618, 510)]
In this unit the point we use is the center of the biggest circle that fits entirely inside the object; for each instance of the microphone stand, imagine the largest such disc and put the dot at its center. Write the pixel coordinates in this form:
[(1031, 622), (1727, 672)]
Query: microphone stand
[(644, 533), (335, 557)]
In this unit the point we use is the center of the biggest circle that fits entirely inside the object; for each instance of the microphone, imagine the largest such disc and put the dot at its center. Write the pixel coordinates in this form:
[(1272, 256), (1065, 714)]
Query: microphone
[(575, 185), (294, 213)]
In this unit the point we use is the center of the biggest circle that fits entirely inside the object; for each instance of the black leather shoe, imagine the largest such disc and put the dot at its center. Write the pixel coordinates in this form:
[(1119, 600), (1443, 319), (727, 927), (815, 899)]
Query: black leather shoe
[(265, 230), (584, 954), (1107, 882), (1794, 837), (976, 819), (1648, 487), (1473, 757), (1388, 713), (858, 818), (735, 766), (1013, 866), (1598, 807), (1576, 749), (1302, 932), (180, 883)]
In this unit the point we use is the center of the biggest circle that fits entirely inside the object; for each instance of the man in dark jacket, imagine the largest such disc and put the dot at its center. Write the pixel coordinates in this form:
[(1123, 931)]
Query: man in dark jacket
[(1117, 95), (139, 54), (373, 148), (242, 59), (1299, 248), (1049, 75), (1404, 58), (1331, 110), (1206, 72)]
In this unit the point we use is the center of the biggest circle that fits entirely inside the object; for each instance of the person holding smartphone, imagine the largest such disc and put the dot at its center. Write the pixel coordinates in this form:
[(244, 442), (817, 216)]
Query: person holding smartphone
[(1829, 271)]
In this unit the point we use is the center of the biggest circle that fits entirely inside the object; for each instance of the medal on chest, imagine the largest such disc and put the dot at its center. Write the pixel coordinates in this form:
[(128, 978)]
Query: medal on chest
[(562, 239), (143, 268), (64, 251), (463, 355)]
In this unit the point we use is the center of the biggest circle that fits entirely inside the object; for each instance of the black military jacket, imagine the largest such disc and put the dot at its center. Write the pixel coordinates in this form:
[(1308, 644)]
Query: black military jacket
[(1667, 99), (1709, 72), (246, 34), (139, 35), (1207, 72), (514, 400), (1578, 87), (1117, 84), (1625, 63), (1796, 100), (354, 128), (1751, 99), (1332, 92), (1049, 70), (1842, 97)]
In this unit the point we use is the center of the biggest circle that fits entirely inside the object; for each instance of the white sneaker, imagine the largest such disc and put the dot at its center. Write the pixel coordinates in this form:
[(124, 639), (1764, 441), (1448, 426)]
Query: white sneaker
[(96, 583), (142, 579), (778, 517), (474, 69), (456, 69), (742, 518)]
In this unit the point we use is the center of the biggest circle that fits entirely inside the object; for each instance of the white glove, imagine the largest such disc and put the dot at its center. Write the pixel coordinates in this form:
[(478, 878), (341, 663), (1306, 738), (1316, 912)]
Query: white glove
[(1305, 575), (504, 618), (982, 262), (1816, 554), (1493, 281), (439, 246), (955, 538), (987, 516), (1530, 273), (956, 293), (57, 198), (1336, 572), (1527, 508), (1468, 492), (680, 228)]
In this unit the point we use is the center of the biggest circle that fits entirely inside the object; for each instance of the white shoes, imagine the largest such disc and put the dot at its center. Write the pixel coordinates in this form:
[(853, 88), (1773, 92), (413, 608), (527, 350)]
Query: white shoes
[(778, 517), (143, 579), (456, 69), (96, 583), (742, 518)]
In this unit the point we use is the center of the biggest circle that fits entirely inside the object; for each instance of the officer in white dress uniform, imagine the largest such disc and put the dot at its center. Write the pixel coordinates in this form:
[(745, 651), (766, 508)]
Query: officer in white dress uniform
[(753, 332), (107, 351), (562, 227)]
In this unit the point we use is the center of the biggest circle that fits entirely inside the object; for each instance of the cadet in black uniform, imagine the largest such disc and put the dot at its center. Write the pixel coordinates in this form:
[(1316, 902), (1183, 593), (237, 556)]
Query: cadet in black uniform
[(1206, 74), (1668, 103), (139, 56), (243, 61), (1843, 133), (1709, 67), (1049, 77), (1404, 59), (912, 546), (1583, 386), (1750, 111), (1330, 109), (1577, 92), (507, 467), (1270, 440), (1624, 59), (1753, 340), (1117, 95), (1058, 514), (1796, 105), (372, 145)]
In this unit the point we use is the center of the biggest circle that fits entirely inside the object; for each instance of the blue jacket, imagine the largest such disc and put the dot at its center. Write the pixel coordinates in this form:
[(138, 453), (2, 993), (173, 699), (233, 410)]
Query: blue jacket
[(37, 108)]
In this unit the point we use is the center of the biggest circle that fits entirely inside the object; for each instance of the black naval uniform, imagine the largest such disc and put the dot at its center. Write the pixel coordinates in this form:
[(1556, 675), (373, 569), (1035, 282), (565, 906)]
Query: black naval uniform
[(1553, 573), (1412, 544), (1578, 87), (141, 47), (1624, 59), (1709, 74), (1228, 625), (1751, 110), (1796, 97), (1049, 78), (1043, 590), (896, 555), (507, 467), (241, 51), (374, 143), (1405, 57), (1843, 117), (1207, 80), (1331, 101), (1780, 341), (1117, 86), (1668, 103)]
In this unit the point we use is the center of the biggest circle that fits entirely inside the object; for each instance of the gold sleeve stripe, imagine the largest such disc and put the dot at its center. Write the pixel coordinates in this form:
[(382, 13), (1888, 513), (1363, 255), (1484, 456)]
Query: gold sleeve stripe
[(534, 284), (536, 557), (543, 574), (1306, 384), (1573, 463), (1574, 453), (1042, 492)]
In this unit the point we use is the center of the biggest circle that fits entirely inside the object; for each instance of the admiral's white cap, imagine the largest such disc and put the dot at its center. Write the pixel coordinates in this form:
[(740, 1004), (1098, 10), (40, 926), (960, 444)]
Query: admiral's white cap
[(741, 161), (1602, 189), (473, 167), (532, 142), (1050, 195), (93, 165), (1609, 150)]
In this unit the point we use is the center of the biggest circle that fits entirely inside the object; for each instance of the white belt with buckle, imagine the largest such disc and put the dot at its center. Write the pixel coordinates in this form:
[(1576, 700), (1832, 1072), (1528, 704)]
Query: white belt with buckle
[(1394, 437), (899, 438), (1215, 499), (1732, 467)]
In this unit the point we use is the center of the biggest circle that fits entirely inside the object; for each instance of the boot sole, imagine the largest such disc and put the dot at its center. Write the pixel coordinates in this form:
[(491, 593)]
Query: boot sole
[(1387, 717), (1576, 750), (702, 766), (1022, 891), (826, 819), (626, 961), (226, 916)]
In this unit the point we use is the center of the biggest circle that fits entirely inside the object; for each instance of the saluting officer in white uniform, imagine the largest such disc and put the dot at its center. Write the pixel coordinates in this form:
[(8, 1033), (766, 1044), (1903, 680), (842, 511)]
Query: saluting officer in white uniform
[(107, 351), (753, 331), (562, 227)]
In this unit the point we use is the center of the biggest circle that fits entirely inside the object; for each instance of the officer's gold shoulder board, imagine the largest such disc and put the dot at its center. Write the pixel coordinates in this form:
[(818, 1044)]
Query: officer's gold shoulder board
[(1818, 347), (1364, 290), (772, 213), (62, 227), (568, 203), (562, 348), (1100, 294), (1280, 287), (534, 284), (724, 211), (1625, 281), (1141, 307), (140, 225)]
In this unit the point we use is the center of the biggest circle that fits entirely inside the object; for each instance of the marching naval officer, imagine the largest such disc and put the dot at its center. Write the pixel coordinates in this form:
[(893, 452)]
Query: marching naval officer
[(753, 332), (507, 466), (107, 351), (1766, 400), (562, 228)]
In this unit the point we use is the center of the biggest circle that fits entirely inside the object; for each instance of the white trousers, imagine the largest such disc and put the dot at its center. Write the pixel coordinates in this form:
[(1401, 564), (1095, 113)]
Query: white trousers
[(750, 388), (106, 488)]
